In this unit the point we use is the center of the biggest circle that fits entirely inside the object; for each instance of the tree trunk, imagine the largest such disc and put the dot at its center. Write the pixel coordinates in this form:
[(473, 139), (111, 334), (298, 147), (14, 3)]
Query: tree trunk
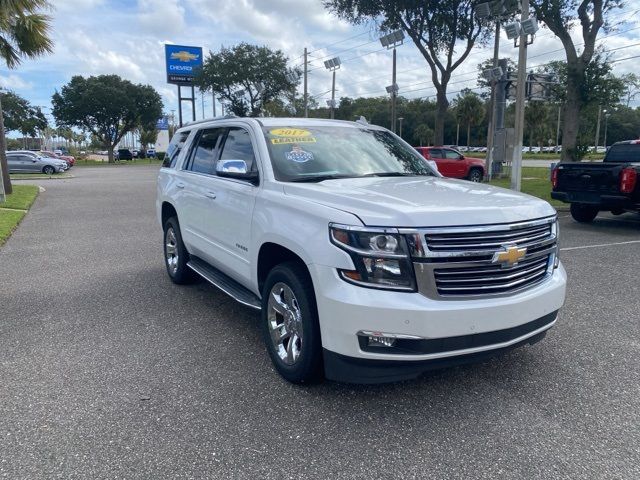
[(468, 134), (3, 157), (571, 119), (110, 154), (442, 105)]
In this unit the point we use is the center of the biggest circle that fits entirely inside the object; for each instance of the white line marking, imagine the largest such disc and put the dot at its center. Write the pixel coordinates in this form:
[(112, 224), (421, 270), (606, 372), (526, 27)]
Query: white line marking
[(600, 245)]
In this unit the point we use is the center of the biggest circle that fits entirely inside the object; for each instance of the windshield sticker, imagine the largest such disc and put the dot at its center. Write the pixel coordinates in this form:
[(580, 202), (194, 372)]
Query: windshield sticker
[(290, 140), (290, 132), (298, 155)]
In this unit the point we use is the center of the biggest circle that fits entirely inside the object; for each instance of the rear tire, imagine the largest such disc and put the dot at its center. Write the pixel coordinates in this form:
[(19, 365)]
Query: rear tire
[(290, 324), (176, 255), (583, 213), (475, 175)]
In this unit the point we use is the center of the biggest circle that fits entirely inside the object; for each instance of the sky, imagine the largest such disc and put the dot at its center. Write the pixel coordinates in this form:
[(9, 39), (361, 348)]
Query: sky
[(127, 38)]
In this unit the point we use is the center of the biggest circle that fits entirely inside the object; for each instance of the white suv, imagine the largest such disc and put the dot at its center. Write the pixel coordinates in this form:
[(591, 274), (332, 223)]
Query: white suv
[(365, 263)]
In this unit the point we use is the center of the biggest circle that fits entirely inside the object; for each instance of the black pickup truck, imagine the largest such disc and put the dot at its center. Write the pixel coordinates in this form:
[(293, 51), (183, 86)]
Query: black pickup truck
[(613, 185)]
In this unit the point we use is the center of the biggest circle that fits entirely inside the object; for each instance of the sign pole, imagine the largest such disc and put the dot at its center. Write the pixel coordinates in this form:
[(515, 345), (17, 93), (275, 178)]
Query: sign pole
[(179, 107)]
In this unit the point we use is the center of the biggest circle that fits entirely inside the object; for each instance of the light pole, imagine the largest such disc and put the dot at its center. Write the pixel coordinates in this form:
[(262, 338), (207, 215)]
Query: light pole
[(606, 124), (400, 119), (332, 65), (391, 41), (598, 127)]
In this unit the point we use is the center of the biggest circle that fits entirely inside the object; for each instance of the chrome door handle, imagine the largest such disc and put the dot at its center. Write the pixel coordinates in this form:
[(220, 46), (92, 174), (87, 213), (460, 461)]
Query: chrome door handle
[(211, 195), (180, 185)]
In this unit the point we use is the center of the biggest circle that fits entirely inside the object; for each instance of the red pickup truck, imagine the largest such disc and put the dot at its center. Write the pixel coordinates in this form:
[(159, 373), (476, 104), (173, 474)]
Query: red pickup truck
[(451, 163)]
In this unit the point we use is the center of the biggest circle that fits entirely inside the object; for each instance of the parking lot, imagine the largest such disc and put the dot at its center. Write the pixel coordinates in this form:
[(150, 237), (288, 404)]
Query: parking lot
[(108, 370)]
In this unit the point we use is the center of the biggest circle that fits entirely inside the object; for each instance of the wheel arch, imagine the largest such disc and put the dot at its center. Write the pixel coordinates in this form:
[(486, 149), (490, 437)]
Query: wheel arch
[(167, 211), (272, 254)]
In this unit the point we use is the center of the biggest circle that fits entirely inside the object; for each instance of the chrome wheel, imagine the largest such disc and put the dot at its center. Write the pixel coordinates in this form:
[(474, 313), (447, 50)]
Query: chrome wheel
[(171, 250), (285, 323)]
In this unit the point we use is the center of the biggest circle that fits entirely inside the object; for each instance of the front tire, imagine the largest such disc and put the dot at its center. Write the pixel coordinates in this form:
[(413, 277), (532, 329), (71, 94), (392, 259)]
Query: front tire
[(176, 255), (48, 170), (475, 175), (290, 324), (583, 213)]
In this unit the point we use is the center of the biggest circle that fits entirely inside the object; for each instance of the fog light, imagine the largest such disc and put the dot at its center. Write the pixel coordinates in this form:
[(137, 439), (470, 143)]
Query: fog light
[(379, 341)]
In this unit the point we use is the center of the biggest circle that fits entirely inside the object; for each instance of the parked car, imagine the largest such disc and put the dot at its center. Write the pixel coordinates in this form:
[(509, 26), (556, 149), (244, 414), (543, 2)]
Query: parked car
[(24, 161), (70, 159), (151, 152), (612, 185), (360, 258), (124, 154), (451, 163)]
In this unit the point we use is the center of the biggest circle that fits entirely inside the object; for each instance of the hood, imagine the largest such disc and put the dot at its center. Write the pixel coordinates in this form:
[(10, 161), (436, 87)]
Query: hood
[(422, 201)]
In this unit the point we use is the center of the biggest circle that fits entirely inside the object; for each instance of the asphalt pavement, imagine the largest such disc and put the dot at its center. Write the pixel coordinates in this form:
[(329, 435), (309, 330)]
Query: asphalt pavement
[(108, 370)]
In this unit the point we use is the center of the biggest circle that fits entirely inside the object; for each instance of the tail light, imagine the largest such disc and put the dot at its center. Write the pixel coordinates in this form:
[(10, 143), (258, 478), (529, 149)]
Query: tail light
[(554, 178), (628, 178)]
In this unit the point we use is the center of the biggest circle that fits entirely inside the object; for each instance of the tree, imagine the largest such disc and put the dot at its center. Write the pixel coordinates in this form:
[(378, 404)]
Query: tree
[(632, 87), (24, 32), (423, 134), (247, 77), (470, 110), (107, 106), (561, 16), (148, 136), (537, 122), (600, 88), (443, 32), (19, 115)]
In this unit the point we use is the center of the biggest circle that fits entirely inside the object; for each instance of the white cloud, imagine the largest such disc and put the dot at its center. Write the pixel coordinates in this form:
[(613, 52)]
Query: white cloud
[(161, 16), (14, 82)]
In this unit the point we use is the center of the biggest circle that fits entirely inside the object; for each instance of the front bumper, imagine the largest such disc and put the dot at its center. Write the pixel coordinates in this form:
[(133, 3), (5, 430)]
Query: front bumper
[(461, 328)]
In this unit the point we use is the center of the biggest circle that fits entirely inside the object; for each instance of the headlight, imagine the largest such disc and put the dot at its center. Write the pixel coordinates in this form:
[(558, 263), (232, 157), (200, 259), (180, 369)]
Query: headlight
[(380, 256)]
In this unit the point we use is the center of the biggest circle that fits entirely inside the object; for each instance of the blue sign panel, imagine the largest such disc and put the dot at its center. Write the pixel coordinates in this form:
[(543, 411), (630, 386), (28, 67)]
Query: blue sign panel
[(182, 63), (162, 123)]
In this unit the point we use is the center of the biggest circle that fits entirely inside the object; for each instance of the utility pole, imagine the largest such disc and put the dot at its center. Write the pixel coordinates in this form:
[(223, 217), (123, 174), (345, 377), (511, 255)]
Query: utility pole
[(558, 128), (400, 119), (306, 93), (516, 168), (394, 96), (598, 128), (213, 102)]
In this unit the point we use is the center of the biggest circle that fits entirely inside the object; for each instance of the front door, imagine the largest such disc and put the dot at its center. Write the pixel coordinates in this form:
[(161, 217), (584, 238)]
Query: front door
[(455, 163), (234, 201)]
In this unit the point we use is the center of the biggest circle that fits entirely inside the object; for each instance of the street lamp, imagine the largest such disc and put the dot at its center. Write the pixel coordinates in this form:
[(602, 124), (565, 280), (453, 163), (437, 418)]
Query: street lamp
[(332, 65), (400, 119), (391, 41), (606, 124)]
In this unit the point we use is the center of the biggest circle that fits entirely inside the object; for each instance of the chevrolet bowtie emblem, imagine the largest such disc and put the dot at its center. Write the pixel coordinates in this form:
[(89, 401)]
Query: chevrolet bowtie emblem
[(510, 256), (184, 56)]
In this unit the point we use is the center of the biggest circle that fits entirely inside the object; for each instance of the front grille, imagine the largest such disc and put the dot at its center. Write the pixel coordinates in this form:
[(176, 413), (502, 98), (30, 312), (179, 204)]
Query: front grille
[(463, 262)]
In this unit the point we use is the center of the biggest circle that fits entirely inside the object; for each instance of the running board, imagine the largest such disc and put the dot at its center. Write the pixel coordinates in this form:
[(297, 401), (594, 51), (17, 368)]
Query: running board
[(225, 283)]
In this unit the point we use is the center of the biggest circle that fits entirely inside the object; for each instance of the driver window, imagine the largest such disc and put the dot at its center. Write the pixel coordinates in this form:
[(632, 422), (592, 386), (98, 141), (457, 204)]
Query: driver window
[(452, 154), (237, 146), (435, 153)]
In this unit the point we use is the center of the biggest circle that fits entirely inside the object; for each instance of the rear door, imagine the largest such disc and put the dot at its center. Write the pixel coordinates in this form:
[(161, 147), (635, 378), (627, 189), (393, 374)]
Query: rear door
[(14, 163)]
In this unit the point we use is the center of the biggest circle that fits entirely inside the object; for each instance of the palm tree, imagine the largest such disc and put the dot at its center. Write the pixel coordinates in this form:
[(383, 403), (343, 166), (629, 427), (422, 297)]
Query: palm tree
[(24, 33), (470, 111)]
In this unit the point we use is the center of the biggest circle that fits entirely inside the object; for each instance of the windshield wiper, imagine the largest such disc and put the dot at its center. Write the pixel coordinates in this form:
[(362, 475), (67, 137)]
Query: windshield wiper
[(320, 178), (393, 174)]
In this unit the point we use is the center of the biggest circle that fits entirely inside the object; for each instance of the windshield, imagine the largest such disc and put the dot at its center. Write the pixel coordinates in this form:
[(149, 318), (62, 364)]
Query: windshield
[(624, 153), (313, 154)]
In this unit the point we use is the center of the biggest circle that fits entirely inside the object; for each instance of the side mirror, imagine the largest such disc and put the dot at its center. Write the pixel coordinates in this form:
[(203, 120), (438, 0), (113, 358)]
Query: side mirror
[(235, 169)]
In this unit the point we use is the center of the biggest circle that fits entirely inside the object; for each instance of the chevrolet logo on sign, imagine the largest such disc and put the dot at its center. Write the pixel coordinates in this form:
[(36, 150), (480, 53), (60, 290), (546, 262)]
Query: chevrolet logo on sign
[(184, 56), (510, 256)]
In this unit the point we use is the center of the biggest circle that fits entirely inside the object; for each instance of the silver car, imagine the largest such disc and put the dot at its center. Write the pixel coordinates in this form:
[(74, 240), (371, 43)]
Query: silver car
[(24, 161)]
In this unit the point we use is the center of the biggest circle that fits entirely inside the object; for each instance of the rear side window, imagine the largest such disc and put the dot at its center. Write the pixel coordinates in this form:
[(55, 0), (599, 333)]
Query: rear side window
[(237, 146), (204, 153), (435, 153), (624, 153), (173, 151)]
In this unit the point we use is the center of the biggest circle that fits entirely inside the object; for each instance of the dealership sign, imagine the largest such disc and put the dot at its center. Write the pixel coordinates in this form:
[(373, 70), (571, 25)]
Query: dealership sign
[(182, 63)]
